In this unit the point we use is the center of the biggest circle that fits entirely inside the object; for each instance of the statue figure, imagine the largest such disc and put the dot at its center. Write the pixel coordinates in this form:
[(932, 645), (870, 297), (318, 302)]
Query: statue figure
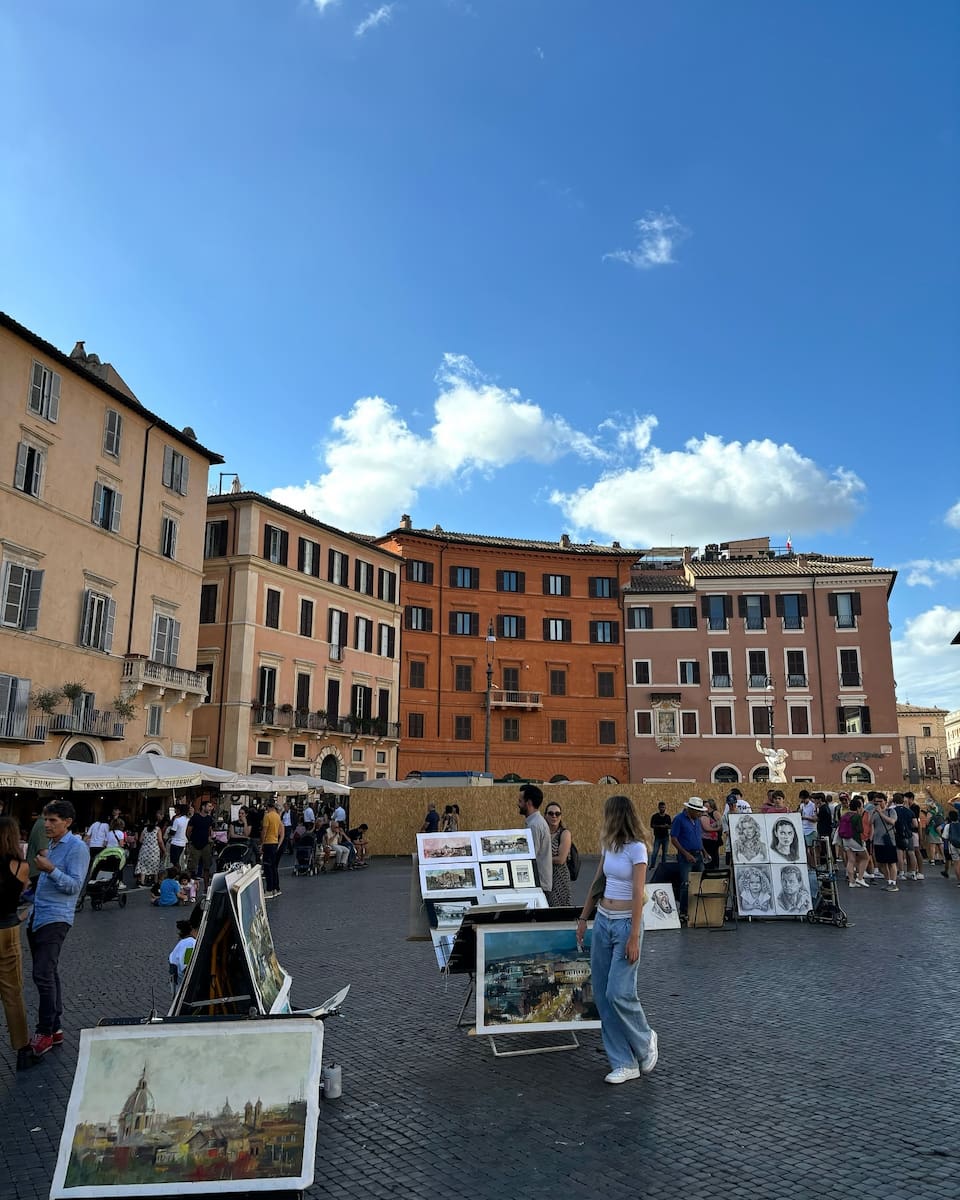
[(776, 761)]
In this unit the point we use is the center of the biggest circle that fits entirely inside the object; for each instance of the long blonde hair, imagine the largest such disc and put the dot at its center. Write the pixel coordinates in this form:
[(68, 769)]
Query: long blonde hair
[(622, 824)]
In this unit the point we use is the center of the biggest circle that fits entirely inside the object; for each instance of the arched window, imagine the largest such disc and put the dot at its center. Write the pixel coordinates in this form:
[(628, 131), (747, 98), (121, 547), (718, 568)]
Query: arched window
[(560, 779), (760, 774), (330, 768), (857, 773), (81, 752), (608, 779), (725, 773)]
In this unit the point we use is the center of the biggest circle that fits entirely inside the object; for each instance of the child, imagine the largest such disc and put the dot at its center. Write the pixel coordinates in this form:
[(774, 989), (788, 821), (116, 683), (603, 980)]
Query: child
[(168, 893), (188, 889), (182, 951)]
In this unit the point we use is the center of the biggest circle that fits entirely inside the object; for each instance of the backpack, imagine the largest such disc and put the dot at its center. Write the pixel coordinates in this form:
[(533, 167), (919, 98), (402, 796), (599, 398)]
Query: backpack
[(953, 834), (845, 828), (573, 862)]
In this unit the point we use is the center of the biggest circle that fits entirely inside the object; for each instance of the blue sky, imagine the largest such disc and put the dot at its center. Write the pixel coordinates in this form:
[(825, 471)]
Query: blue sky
[(645, 271)]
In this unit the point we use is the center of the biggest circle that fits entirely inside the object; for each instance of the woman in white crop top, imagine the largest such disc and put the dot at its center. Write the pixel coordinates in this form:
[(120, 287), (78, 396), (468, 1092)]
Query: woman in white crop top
[(630, 1043)]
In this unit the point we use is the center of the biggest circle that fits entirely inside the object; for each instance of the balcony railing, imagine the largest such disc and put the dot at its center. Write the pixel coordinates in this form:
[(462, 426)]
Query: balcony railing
[(19, 725), (147, 672), (755, 623), (850, 679), (282, 716), (759, 681), (793, 622), (796, 681), (721, 681), (528, 700), (93, 723)]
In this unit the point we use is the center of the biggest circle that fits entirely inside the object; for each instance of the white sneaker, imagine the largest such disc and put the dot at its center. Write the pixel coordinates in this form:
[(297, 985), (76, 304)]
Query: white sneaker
[(919, 876), (860, 883), (652, 1055), (622, 1074)]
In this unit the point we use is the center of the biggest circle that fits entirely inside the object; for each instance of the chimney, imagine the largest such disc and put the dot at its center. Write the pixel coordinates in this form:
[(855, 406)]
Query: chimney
[(79, 352), (565, 540), (405, 522)]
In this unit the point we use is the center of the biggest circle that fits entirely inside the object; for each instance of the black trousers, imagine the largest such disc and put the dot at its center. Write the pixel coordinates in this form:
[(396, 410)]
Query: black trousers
[(45, 944)]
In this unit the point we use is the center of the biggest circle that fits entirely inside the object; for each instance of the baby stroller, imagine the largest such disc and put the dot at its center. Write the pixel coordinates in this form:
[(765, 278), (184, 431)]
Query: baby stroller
[(305, 855), (103, 882), (236, 854)]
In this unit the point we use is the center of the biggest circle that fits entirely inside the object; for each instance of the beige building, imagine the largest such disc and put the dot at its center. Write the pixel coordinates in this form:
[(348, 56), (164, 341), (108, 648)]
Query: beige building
[(923, 743), (299, 644), (951, 728), (102, 509)]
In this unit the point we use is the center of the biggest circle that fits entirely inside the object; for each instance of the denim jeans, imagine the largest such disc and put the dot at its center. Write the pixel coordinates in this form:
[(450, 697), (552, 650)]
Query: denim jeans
[(660, 847), (623, 1026), (45, 944), (685, 868)]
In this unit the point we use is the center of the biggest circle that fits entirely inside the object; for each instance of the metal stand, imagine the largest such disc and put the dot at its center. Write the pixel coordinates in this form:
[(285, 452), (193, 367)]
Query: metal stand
[(466, 1000), (573, 1044)]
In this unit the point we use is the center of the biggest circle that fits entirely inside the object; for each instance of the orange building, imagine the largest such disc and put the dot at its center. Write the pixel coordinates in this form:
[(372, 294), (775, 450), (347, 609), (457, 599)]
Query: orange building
[(744, 643), (299, 633), (546, 617)]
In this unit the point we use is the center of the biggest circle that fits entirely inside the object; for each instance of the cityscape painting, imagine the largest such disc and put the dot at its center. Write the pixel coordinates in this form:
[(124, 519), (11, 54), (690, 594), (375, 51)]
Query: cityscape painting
[(533, 979), (270, 980), (504, 843), (192, 1109), (452, 879)]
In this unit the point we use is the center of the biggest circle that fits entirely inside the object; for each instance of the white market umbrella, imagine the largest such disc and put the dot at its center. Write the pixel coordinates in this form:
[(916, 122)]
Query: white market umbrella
[(66, 774), (8, 775), (316, 784), (283, 785), (160, 771)]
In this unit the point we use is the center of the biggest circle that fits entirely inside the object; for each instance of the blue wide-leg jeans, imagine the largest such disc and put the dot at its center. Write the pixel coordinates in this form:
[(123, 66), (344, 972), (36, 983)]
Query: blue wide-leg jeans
[(623, 1025)]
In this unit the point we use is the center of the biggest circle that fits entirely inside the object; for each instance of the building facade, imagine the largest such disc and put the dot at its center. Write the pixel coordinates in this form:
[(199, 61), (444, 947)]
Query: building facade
[(298, 644), (951, 729), (744, 643), (924, 753), (546, 618), (102, 509)]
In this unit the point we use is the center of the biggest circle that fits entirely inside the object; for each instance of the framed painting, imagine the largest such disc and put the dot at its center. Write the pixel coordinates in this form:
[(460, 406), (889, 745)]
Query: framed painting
[(522, 873), (748, 840), (784, 837), (449, 879), (494, 874), (660, 907), (447, 847), (272, 983), (533, 979), (447, 914), (442, 945), (504, 844), (136, 1124)]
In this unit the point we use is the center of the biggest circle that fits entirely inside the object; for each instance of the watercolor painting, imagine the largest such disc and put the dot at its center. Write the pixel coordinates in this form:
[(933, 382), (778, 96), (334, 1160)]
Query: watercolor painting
[(269, 978), (451, 879), (504, 843), (451, 847)]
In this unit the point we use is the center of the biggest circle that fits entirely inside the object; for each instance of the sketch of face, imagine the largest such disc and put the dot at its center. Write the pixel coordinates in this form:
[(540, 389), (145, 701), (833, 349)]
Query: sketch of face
[(785, 840), (749, 844), (791, 881), (662, 900), (754, 888)]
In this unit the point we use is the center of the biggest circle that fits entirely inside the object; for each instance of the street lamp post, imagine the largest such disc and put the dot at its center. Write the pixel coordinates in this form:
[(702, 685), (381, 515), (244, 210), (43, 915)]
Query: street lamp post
[(770, 699), (491, 642)]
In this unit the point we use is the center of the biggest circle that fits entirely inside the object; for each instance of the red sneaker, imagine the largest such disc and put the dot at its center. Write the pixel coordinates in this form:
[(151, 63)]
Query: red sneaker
[(40, 1043), (57, 1037)]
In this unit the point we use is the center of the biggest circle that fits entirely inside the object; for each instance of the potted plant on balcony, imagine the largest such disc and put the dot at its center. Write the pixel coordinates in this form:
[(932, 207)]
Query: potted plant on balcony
[(46, 700), (124, 707), (73, 691)]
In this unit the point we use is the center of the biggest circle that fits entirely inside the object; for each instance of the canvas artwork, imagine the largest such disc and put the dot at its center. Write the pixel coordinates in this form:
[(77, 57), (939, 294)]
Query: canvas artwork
[(269, 978), (442, 945), (754, 890), (533, 979), (660, 907), (791, 890), (451, 879), (450, 847), (525, 898), (495, 874), (748, 842), (522, 874), (504, 843), (141, 1122), (784, 838), (448, 914)]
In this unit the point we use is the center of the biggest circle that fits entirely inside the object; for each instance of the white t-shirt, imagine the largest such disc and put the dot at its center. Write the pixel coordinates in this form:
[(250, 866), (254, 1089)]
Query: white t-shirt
[(309, 818), (808, 816), (743, 806), (178, 831), (178, 955), (340, 814), (97, 835), (618, 868)]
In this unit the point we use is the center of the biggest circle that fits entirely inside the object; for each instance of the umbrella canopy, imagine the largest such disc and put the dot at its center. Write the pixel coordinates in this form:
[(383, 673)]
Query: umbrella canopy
[(8, 775), (64, 774), (163, 772), (284, 785), (316, 784)]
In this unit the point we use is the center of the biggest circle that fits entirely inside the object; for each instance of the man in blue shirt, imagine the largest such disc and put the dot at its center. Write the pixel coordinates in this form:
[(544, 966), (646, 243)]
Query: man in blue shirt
[(686, 837), (62, 869)]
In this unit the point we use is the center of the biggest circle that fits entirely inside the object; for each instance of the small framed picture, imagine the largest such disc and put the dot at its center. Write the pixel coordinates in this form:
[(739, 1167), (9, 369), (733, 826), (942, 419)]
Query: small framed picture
[(447, 914), (494, 874), (523, 875), (451, 879), (499, 844)]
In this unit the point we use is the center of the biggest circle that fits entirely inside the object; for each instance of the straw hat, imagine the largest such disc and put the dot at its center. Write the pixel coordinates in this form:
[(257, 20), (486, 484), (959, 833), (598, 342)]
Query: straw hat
[(695, 804)]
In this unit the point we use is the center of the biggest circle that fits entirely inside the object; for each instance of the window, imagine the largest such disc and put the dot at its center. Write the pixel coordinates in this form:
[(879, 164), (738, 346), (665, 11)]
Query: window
[(683, 616), (215, 539), (792, 608), (386, 585), (926, 731), (168, 537), (796, 668), (267, 686), (299, 750), (689, 671), (97, 618), (605, 684), (688, 723), (601, 587), (206, 670), (641, 671), (510, 679), (799, 718), (511, 729), (361, 701), (28, 474), (418, 674), (462, 728), (308, 557), (605, 631), (166, 640), (415, 617), (643, 720), (849, 668), (558, 683), (760, 720), (511, 627), (306, 618), (44, 398), (112, 431), (363, 634), (845, 606), (556, 629), (154, 720), (466, 624), (759, 675), (386, 640), (272, 609), (415, 725), (208, 603), (464, 577), (275, 544), (716, 610), (640, 616), (21, 596), (607, 733), (754, 610), (463, 678), (511, 581), (336, 628), (338, 565), (107, 503), (556, 585), (723, 720), (363, 577), (853, 719), (264, 748), (176, 470), (720, 669), (931, 768), (419, 571), (14, 707), (558, 732)]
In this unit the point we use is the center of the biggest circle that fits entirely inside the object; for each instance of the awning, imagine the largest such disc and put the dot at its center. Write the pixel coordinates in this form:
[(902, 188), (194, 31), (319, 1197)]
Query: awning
[(172, 773), (8, 775), (66, 774)]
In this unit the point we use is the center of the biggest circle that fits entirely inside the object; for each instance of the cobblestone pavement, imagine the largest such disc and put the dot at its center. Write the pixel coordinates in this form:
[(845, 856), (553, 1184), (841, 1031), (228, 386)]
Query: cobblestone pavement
[(795, 1061)]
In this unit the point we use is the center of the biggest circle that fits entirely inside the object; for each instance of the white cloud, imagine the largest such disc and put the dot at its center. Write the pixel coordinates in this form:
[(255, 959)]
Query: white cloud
[(378, 17), (322, 5), (375, 464), (712, 490), (953, 516), (926, 666), (658, 234), (924, 572)]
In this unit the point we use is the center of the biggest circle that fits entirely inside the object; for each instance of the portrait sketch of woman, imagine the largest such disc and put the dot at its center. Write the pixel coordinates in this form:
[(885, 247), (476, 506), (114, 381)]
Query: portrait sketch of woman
[(748, 844), (786, 842)]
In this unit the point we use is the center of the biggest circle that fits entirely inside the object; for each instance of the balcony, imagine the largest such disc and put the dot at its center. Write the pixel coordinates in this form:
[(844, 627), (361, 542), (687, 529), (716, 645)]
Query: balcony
[(19, 725), (285, 717), (796, 681), (336, 653), (532, 701), (141, 672), (90, 722), (721, 681), (850, 679), (759, 681)]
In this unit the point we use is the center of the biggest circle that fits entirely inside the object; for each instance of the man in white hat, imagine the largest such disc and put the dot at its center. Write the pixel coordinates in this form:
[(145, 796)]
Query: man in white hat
[(686, 837)]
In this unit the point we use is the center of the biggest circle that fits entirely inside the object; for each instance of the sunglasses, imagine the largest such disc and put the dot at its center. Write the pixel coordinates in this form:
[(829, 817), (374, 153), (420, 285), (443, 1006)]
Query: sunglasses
[(554, 812)]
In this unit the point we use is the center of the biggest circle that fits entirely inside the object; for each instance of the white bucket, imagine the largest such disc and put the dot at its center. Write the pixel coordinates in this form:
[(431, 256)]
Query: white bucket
[(332, 1082)]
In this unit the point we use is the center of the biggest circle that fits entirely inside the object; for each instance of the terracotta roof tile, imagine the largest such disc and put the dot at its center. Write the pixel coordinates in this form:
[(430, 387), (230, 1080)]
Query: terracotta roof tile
[(508, 543)]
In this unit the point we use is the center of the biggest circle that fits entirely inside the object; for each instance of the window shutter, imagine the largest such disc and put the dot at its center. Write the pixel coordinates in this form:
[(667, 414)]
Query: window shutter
[(36, 389), (168, 466), (407, 616), (592, 587), (315, 565), (499, 581), (674, 617), (38, 461), (778, 605), (453, 576), (696, 672), (855, 603), (741, 606), (521, 627), (109, 623), (728, 606), (284, 542), (184, 475), (159, 638), (330, 561), (53, 412), (173, 539), (704, 606), (521, 581), (115, 514), (802, 605), (453, 622), (832, 604), (8, 693), (865, 719), (841, 721), (391, 642), (475, 624), (615, 632), (301, 553), (565, 585), (428, 620), (368, 636), (173, 648), (85, 618), (20, 475), (546, 629), (474, 577), (97, 503), (546, 585), (764, 605)]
